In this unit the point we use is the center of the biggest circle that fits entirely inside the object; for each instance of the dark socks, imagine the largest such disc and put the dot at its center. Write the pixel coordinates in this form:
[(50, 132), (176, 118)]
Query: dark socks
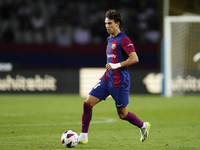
[(133, 119), (86, 117)]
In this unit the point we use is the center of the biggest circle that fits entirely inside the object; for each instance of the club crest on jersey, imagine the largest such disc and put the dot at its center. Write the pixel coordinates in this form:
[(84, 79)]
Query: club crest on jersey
[(113, 46)]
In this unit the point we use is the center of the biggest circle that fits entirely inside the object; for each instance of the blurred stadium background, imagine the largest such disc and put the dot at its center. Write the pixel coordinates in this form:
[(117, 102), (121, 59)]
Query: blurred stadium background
[(45, 43)]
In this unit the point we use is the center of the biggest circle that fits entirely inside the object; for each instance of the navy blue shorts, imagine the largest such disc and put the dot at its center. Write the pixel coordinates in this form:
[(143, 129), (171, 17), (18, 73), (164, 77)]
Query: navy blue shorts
[(102, 90)]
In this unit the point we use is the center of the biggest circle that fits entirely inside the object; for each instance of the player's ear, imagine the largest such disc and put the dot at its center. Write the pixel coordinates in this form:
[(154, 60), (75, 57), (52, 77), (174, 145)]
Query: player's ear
[(117, 24)]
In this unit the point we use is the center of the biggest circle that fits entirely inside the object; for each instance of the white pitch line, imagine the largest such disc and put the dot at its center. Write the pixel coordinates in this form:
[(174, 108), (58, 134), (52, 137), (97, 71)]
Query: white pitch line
[(12, 115), (108, 120)]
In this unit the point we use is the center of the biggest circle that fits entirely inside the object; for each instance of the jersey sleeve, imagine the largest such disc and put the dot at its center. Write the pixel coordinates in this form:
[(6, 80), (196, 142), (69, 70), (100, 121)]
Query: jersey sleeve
[(127, 45)]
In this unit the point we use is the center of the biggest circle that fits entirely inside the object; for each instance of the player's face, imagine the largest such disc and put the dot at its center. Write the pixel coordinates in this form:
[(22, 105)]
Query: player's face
[(112, 27)]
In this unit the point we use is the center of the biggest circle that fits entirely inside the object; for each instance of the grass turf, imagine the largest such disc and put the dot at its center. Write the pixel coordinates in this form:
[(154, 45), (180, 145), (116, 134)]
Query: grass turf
[(34, 122)]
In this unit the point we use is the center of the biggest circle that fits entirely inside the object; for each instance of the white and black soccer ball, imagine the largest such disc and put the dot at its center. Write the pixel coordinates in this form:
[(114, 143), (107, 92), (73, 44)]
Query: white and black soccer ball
[(69, 138)]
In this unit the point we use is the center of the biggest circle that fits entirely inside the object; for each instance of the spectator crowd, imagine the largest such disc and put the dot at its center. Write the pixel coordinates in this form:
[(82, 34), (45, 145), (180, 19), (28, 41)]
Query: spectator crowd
[(68, 22)]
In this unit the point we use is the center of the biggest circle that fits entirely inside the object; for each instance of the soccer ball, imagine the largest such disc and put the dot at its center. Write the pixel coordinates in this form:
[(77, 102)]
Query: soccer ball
[(69, 138)]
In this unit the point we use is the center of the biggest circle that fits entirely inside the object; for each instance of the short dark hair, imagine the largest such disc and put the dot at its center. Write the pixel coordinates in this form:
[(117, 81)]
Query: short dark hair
[(114, 15)]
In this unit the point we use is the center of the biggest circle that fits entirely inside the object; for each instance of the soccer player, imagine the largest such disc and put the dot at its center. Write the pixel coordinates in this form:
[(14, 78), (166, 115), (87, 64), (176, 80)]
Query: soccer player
[(115, 81)]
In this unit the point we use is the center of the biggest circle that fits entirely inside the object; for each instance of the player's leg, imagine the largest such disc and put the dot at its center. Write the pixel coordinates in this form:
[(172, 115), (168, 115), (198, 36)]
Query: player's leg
[(87, 112), (86, 117), (98, 93), (92, 100), (121, 97), (133, 119), (124, 114)]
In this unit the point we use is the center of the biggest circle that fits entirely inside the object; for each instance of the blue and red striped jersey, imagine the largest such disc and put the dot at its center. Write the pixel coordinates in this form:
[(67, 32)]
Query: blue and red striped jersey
[(118, 49)]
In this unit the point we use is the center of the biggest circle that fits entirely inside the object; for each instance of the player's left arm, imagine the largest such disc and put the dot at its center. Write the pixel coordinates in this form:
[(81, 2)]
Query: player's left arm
[(133, 58), (128, 46)]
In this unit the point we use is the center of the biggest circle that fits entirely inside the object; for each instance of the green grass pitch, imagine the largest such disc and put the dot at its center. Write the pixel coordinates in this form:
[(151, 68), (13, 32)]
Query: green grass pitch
[(36, 122)]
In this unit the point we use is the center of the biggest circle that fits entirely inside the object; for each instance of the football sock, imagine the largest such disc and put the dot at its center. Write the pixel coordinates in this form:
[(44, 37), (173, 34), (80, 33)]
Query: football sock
[(86, 117), (133, 119)]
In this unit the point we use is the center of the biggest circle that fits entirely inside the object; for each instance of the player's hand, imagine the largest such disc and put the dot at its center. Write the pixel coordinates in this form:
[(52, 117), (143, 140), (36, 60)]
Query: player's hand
[(108, 66), (113, 66)]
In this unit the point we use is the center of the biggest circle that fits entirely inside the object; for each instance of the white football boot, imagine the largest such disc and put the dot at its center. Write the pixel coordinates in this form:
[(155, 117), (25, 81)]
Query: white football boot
[(144, 130), (83, 138)]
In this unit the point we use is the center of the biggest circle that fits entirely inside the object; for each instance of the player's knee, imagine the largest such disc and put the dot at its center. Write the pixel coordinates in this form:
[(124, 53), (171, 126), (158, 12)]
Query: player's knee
[(122, 116), (91, 100)]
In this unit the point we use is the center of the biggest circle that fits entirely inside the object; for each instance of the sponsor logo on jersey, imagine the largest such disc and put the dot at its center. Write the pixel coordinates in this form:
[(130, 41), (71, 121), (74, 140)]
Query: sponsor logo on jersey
[(113, 46), (112, 56), (129, 44)]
